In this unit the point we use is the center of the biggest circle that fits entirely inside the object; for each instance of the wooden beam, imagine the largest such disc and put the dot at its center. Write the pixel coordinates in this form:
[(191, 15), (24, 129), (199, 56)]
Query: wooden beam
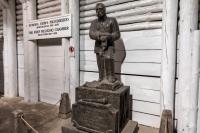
[(31, 87), (166, 124), (188, 23), (9, 23), (169, 43), (74, 42), (65, 45), (195, 79)]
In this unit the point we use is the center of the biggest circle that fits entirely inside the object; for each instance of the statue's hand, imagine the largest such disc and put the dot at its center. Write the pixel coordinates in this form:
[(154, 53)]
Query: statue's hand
[(104, 34), (103, 38)]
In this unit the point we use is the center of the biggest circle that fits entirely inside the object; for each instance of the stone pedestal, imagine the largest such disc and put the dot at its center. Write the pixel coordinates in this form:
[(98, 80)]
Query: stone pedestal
[(131, 127), (101, 109), (118, 99)]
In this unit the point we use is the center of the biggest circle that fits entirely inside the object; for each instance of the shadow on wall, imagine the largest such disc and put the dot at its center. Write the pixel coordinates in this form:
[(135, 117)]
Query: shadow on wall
[(1, 68), (120, 55)]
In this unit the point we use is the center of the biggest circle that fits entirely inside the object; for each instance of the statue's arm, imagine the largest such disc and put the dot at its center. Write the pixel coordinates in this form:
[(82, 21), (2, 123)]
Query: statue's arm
[(93, 33), (115, 28)]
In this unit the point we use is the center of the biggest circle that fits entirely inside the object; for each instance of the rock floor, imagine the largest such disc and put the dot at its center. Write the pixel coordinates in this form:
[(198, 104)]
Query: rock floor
[(42, 116)]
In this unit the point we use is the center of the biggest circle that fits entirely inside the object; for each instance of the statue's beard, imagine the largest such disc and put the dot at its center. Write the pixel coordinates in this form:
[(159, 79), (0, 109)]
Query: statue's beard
[(100, 15)]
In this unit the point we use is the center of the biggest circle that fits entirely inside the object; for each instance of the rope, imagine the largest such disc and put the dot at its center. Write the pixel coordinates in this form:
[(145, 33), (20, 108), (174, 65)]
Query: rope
[(28, 124)]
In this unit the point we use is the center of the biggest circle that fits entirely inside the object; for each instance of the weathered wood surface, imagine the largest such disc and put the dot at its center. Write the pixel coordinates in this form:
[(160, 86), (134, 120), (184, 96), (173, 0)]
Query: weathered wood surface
[(9, 30), (121, 7), (188, 23), (48, 8), (169, 53), (166, 124), (128, 13), (139, 40), (131, 15)]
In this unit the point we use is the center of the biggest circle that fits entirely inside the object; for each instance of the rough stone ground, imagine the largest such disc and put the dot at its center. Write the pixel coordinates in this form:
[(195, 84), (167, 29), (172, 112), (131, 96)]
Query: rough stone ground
[(42, 116)]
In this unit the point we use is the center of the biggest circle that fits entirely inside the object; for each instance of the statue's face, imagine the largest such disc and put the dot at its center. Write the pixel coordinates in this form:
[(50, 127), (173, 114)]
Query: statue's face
[(100, 11)]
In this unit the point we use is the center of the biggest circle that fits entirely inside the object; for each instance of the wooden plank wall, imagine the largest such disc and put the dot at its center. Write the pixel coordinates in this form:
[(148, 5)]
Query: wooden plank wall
[(50, 57), (140, 25), (20, 47), (48, 8), (1, 54)]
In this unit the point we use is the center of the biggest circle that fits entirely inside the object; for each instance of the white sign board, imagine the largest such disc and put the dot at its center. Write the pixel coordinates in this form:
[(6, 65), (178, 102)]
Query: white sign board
[(54, 27)]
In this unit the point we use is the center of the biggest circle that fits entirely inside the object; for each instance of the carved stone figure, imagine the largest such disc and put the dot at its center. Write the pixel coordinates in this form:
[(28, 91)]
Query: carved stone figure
[(103, 106), (104, 30)]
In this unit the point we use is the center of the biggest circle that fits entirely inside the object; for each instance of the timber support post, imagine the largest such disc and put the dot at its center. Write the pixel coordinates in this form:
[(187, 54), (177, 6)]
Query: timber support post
[(31, 91), (188, 24), (74, 43), (9, 29), (166, 124), (168, 65)]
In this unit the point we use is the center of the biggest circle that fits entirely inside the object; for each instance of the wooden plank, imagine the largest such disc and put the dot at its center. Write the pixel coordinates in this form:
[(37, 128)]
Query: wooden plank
[(141, 88), (134, 27), (48, 4), (150, 69), (136, 82), (146, 107), (142, 82), (146, 119), (51, 14), (145, 95), (127, 13), (122, 7), (127, 20), (87, 2), (54, 8), (146, 39), (106, 3), (151, 56)]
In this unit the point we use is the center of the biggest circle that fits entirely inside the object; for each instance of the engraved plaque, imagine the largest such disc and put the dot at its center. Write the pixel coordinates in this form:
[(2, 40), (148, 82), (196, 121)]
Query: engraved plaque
[(95, 117), (119, 99)]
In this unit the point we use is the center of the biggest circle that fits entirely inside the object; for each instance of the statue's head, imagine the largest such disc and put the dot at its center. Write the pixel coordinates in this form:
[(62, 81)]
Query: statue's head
[(100, 10)]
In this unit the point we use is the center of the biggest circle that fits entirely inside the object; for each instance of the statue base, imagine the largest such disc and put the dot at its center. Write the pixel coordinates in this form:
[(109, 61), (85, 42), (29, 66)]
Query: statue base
[(101, 110), (104, 85), (131, 127)]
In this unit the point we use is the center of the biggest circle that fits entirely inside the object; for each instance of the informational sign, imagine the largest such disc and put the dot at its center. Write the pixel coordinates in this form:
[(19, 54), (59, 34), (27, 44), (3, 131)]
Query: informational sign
[(54, 27)]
